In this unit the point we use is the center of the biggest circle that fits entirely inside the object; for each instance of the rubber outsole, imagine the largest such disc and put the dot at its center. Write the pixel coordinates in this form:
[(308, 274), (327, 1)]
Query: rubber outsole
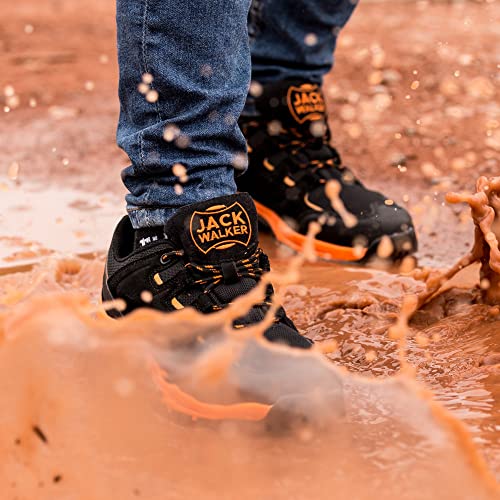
[(404, 243)]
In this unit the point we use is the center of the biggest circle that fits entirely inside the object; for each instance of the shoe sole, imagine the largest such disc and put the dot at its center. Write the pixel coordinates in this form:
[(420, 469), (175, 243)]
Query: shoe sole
[(404, 243)]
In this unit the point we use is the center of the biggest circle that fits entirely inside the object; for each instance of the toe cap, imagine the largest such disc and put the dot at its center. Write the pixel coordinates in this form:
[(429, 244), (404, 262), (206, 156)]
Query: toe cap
[(391, 219), (284, 334)]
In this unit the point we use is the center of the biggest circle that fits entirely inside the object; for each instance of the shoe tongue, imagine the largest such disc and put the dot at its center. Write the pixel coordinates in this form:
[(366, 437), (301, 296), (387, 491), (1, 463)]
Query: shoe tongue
[(216, 230), (296, 104)]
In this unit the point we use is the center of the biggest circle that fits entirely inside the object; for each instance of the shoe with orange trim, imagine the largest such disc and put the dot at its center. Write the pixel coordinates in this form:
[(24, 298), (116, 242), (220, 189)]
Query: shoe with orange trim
[(205, 257), (295, 177)]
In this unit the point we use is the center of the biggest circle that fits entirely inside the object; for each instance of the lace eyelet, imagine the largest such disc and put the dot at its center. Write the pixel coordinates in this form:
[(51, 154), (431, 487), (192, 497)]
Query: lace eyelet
[(164, 258)]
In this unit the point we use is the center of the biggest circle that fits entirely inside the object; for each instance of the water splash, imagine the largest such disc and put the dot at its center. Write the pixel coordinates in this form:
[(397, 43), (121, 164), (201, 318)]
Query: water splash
[(85, 382)]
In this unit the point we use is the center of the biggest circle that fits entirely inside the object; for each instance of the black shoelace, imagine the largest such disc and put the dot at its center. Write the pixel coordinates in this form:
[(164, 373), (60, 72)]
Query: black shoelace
[(308, 159)]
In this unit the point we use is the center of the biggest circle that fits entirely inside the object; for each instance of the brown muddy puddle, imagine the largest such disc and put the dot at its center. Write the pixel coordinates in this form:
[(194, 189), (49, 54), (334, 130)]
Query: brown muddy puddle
[(38, 220), (84, 416)]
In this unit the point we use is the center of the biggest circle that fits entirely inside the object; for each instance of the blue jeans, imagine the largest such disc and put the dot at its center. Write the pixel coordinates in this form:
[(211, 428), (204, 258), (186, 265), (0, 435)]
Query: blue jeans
[(185, 71)]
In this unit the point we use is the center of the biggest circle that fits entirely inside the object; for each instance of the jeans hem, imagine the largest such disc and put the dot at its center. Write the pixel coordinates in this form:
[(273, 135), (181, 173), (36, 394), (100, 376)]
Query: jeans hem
[(150, 217)]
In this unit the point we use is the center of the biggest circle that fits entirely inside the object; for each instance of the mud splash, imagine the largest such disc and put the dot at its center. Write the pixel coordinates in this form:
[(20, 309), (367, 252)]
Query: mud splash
[(94, 407), (84, 418), (485, 210)]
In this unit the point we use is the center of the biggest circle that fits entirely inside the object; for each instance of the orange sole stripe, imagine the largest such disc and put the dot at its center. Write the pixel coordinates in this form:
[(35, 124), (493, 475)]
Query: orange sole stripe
[(286, 235), (178, 400)]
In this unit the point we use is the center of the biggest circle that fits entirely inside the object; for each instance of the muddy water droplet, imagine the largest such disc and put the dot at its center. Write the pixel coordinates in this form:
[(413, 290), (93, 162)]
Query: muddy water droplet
[(152, 96), (408, 264), (147, 78), (332, 190), (179, 170), (484, 284), (118, 304), (274, 127), (9, 91), (183, 141), (422, 340), (385, 248), (143, 88), (311, 39), (146, 296), (256, 89), (171, 133), (13, 171)]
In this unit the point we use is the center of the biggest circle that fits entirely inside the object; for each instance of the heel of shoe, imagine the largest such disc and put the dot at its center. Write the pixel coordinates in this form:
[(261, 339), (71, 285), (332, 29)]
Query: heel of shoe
[(106, 296)]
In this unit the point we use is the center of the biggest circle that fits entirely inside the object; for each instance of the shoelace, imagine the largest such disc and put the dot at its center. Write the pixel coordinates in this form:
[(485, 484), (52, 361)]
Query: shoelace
[(232, 272), (213, 275), (313, 158), (296, 143), (229, 272)]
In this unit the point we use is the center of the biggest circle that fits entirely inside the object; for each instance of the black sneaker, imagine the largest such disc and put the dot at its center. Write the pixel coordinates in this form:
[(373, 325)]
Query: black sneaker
[(207, 256), (295, 177)]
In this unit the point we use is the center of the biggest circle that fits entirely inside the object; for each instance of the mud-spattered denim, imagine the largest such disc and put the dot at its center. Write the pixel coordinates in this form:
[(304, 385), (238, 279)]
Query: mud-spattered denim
[(199, 57)]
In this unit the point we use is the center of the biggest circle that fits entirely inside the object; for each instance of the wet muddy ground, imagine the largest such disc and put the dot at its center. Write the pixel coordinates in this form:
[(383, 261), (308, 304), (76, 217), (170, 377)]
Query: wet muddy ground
[(415, 112)]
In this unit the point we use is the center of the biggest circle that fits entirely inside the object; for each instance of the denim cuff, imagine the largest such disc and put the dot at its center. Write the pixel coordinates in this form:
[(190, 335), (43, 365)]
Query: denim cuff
[(149, 217)]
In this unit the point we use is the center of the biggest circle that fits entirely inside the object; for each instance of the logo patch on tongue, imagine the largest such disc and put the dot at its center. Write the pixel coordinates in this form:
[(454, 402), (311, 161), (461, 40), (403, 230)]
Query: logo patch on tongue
[(220, 228), (305, 102)]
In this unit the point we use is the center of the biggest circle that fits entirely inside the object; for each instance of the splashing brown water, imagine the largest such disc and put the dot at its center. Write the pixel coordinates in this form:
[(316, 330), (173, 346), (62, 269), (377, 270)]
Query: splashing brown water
[(82, 416), (485, 211)]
